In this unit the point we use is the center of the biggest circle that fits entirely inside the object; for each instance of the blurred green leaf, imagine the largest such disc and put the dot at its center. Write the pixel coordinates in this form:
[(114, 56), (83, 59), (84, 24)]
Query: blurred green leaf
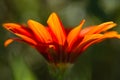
[(20, 70)]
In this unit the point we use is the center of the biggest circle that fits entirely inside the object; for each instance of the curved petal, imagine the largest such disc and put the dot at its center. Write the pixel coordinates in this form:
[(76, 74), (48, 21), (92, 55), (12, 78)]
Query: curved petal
[(73, 34), (27, 39), (112, 34), (101, 28), (57, 28), (85, 30), (7, 42), (86, 40), (40, 32), (15, 28)]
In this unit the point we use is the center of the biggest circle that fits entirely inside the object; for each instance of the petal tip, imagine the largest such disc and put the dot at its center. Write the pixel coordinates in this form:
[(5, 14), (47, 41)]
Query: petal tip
[(30, 20), (5, 25), (7, 42), (83, 20), (53, 13)]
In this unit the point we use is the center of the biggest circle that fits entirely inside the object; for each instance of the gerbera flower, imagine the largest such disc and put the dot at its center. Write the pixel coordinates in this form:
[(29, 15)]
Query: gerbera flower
[(56, 43)]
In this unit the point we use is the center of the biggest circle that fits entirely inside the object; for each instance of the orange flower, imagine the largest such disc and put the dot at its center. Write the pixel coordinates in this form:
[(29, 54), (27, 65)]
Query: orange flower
[(57, 44)]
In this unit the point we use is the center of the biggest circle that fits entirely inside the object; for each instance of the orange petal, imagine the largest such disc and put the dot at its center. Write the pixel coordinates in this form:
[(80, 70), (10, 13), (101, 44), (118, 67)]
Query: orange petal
[(40, 31), (85, 30), (111, 34), (91, 37), (101, 28), (73, 34), (15, 28), (87, 38), (27, 39), (7, 42), (57, 28)]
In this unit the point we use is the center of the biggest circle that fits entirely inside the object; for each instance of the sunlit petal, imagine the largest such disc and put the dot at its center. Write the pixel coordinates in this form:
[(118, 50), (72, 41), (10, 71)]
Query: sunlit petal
[(84, 31), (27, 39), (7, 42), (73, 34), (40, 31), (101, 28), (112, 34), (86, 40), (15, 28), (57, 28)]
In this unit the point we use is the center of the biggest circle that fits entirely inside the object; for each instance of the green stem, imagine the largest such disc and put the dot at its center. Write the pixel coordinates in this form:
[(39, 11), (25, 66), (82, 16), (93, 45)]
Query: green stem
[(59, 71)]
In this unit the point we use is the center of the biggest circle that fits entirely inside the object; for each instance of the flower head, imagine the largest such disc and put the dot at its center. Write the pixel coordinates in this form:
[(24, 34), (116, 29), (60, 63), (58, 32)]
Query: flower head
[(56, 43)]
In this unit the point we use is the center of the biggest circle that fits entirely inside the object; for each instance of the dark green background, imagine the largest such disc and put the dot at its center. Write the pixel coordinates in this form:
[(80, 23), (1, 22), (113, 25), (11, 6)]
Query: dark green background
[(19, 61)]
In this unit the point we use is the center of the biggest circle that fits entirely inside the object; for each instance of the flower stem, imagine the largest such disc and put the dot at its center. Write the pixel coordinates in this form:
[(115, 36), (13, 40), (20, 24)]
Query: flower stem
[(59, 71)]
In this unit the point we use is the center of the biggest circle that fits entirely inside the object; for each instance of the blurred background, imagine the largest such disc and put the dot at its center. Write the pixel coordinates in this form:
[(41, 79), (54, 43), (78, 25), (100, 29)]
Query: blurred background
[(19, 61)]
